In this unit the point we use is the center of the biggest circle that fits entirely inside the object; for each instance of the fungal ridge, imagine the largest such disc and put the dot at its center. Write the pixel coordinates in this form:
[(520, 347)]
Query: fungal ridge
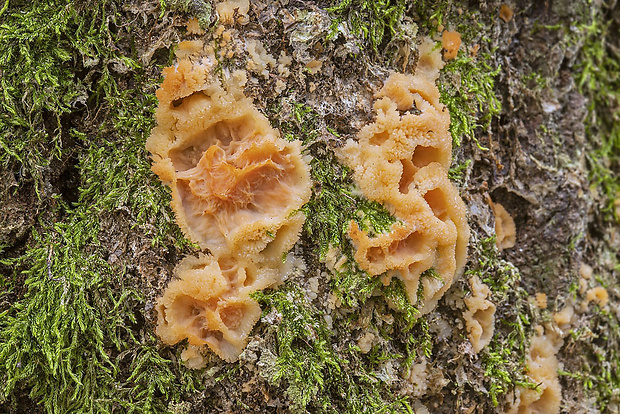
[(237, 189), (401, 160)]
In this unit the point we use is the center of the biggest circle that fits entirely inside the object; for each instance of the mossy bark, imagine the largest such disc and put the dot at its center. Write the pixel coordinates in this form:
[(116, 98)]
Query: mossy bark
[(88, 241)]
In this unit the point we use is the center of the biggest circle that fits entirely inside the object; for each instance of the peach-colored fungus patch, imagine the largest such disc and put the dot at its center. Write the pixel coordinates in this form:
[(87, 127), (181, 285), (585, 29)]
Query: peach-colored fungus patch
[(236, 185), (504, 227), (237, 188), (209, 303), (506, 13), (233, 11), (480, 315), (451, 42), (542, 368), (401, 160)]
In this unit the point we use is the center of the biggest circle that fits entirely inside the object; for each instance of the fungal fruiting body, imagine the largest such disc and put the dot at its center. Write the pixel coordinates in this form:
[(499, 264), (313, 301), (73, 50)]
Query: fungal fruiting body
[(209, 303), (237, 188), (235, 183), (401, 160), (480, 314), (542, 368), (451, 42), (504, 227)]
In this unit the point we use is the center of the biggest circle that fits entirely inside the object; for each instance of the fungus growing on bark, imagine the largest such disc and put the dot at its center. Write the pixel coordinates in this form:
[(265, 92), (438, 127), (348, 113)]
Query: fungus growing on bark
[(480, 315), (236, 185), (542, 368), (401, 160), (451, 42), (237, 188), (506, 13), (233, 11), (504, 227), (429, 60), (598, 294), (209, 304)]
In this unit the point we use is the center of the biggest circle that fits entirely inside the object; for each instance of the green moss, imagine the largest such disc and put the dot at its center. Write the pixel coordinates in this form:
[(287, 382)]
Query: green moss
[(372, 21), (471, 100), (456, 172), (599, 365), (503, 361), (305, 359), (200, 9), (318, 377), (74, 342), (56, 59), (70, 339), (599, 80)]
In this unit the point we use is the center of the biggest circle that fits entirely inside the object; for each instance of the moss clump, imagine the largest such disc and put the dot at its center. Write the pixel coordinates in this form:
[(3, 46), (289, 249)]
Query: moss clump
[(373, 22), (318, 377), (599, 80), (200, 9), (57, 58), (75, 341), (599, 370), (503, 361), (472, 101), (71, 339)]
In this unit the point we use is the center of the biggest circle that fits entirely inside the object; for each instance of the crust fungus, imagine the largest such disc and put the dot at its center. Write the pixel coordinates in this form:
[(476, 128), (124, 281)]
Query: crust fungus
[(543, 368), (401, 160), (429, 60), (236, 185), (231, 11), (504, 227), (506, 13), (237, 188), (480, 315), (209, 303), (598, 294)]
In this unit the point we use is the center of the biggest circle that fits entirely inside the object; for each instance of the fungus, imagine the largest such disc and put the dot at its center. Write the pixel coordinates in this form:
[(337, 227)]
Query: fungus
[(506, 13), (429, 60), (451, 42), (585, 271), (209, 304), (504, 227), (598, 295), (233, 11), (565, 317), (542, 368), (480, 315), (237, 189), (401, 160), (236, 185), (541, 300), (260, 59), (193, 27)]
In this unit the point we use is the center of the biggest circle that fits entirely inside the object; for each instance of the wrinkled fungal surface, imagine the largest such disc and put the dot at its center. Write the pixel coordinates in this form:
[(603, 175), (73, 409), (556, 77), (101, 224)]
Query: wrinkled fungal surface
[(504, 227), (480, 315), (236, 185), (401, 160), (209, 304), (542, 368), (237, 188)]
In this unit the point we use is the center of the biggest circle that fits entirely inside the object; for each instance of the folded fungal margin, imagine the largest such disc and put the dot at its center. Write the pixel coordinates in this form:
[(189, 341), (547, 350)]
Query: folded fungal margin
[(401, 160), (237, 190), (209, 304), (236, 184)]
